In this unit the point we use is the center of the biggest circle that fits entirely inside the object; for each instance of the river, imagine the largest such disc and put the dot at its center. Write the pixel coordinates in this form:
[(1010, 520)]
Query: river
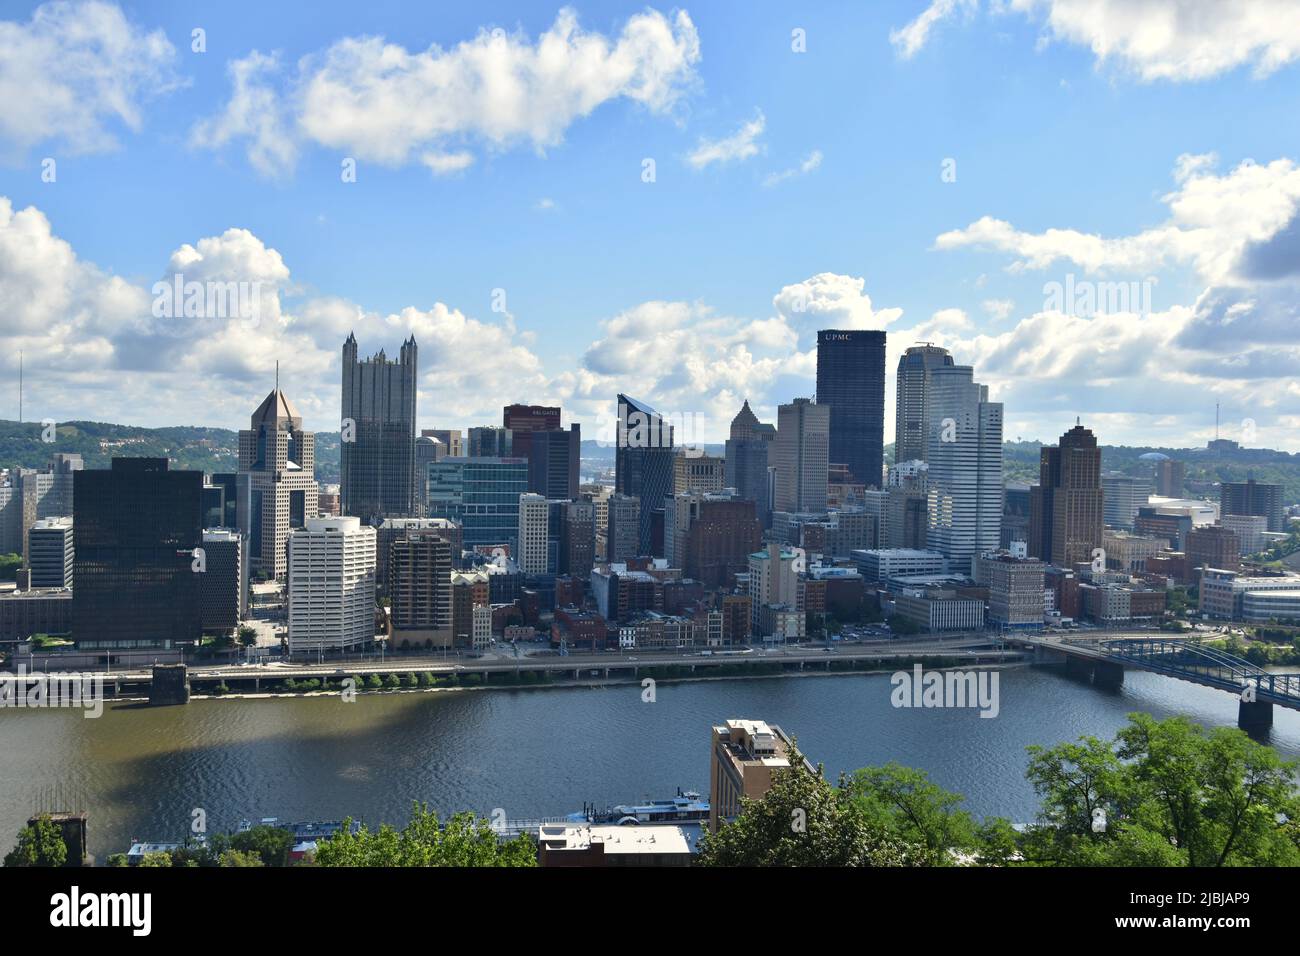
[(140, 772)]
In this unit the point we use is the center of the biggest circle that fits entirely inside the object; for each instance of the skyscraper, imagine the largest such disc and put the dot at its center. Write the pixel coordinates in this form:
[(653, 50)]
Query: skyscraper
[(749, 454), (553, 457), (482, 494), (913, 383), (275, 486), (377, 466), (643, 464), (802, 440), (1066, 508), (135, 528), (1251, 497), (331, 585), (523, 420), (965, 467), (851, 380)]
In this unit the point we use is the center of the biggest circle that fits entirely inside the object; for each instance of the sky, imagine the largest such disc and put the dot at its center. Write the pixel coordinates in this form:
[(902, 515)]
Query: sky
[(1093, 202)]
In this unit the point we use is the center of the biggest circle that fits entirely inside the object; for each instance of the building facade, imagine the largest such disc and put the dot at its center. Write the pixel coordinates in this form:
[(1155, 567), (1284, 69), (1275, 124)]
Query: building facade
[(377, 467)]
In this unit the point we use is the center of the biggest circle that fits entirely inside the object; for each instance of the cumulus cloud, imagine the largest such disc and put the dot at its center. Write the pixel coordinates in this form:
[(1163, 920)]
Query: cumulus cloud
[(378, 101), (1170, 40), (254, 113), (737, 147), (1221, 225), (74, 71)]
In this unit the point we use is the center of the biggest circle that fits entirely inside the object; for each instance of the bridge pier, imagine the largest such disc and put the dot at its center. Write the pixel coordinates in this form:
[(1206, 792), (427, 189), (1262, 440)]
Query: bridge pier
[(1254, 715), (1095, 672)]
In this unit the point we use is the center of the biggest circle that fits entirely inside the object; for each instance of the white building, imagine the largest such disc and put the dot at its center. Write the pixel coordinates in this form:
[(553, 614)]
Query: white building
[(881, 564), (773, 581), (534, 533), (803, 435), (965, 474), (331, 585), (1250, 531), (482, 626)]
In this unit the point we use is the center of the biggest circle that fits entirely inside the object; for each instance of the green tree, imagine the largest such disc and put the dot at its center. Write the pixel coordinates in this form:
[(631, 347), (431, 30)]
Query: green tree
[(804, 821), (240, 858), (39, 844), (465, 840), (155, 859), (271, 844), (903, 802)]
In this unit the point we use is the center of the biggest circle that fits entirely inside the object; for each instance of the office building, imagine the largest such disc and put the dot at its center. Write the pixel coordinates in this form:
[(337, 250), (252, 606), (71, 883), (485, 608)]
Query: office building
[(911, 425), (745, 757), (906, 507), (1251, 497), (420, 563), (481, 495), (695, 473), (490, 441), (1222, 593), (524, 420), (1213, 546), (377, 466), (553, 458), (965, 467), (644, 466), (623, 535), (577, 539), (1015, 582), (710, 537), (1131, 552), (224, 581), (135, 527), (451, 440), (1122, 496), (881, 564), (851, 381), (749, 456), (393, 528), (33, 494), (50, 553), (1167, 475), (773, 587), (941, 609), (1066, 507), (1250, 531), (534, 533), (802, 463), (331, 586)]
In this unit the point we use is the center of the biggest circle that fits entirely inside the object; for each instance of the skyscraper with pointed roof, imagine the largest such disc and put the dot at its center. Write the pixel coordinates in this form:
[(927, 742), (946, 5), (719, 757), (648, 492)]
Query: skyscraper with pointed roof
[(377, 452), (749, 449), (276, 487)]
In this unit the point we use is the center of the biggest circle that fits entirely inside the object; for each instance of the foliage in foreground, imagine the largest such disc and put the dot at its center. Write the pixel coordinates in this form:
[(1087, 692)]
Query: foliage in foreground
[(1161, 793), (465, 840)]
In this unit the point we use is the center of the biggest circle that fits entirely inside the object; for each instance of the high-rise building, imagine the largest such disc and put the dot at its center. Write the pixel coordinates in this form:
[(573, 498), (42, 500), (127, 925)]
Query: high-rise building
[(1015, 582), (773, 587), (1213, 546), (480, 494), (391, 529), (523, 420), (34, 494), (907, 507), (50, 553), (911, 428), (553, 457), (802, 464), (452, 441), (277, 490), (1122, 496), (1168, 475), (710, 537), (490, 441), (224, 581), (577, 539), (420, 562), (749, 456), (1251, 497), (136, 526), (643, 465), (851, 381), (331, 585), (534, 533), (427, 449), (965, 467), (377, 466), (623, 537), (697, 473), (1066, 507)]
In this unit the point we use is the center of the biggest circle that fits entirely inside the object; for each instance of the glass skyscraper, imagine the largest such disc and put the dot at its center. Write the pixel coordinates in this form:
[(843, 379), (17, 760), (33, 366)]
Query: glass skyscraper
[(480, 493), (851, 380), (377, 466)]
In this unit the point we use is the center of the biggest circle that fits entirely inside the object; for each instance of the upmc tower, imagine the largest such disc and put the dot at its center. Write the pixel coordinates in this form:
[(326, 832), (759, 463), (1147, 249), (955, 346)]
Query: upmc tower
[(851, 380)]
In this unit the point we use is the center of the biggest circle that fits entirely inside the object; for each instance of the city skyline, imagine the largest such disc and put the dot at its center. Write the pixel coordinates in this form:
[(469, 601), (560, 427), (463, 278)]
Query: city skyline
[(1135, 286)]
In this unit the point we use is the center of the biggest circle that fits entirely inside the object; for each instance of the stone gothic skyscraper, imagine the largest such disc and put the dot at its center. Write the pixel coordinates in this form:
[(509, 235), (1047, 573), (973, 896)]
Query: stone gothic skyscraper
[(377, 451)]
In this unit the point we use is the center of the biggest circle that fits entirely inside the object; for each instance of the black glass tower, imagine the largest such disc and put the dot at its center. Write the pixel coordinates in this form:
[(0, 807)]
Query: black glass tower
[(135, 528), (644, 465), (851, 380)]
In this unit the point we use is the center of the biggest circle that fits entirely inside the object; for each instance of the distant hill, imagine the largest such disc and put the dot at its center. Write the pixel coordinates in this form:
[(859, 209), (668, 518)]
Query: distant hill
[(186, 446)]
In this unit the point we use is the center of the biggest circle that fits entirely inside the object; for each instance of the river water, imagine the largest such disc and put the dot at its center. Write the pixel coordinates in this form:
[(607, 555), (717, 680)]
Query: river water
[(140, 772)]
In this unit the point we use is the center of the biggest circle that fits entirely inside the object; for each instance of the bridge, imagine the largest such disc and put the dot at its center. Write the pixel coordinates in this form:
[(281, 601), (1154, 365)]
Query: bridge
[(1102, 662)]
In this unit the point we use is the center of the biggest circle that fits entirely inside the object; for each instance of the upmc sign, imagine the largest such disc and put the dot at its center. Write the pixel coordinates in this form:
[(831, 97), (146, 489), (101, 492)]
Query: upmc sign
[(836, 336)]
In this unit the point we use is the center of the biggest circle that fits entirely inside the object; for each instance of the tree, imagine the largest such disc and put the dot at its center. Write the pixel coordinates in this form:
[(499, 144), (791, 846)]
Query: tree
[(155, 859), (465, 840), (271, 844), (903, 625), (904, 803), (40, 843), (240, 858), (804, 821)]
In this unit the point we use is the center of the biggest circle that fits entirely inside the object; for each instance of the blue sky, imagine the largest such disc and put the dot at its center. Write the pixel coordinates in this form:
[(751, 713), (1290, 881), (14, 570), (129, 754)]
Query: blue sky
[(1080, 152)]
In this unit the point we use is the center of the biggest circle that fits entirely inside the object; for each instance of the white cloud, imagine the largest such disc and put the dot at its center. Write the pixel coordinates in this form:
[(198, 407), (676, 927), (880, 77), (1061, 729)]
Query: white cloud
[(1215, 224), (255, 113), (737, 147), (998, 308), (909, 39), (73, 71), (380, 102), (1173, 40), (810, 162)]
